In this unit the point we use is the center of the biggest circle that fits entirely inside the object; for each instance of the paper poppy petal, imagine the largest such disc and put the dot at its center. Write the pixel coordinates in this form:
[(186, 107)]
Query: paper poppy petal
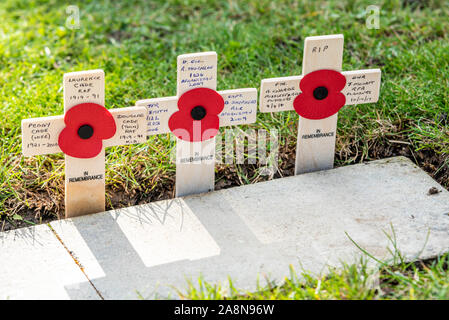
[(331, 79), (310, 108), (210, 126), (179, 126), (91, 114)]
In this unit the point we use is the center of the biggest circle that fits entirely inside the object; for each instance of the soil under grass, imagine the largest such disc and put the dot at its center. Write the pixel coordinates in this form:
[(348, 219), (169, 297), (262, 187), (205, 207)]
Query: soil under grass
[(409, 281)]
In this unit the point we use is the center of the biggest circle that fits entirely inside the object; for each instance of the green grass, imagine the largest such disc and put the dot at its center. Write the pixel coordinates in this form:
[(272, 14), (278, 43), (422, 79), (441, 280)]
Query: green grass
[(136, 43), (397, 277), (403, 281)]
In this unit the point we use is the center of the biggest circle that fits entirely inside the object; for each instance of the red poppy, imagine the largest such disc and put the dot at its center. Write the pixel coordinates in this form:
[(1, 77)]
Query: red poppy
[(320, 95), (197, 118), (87, 125)]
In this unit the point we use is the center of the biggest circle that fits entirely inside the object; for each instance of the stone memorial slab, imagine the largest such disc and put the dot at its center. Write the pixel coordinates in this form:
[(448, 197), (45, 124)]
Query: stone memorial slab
[(317, 95), (35, 265), (256, 232)]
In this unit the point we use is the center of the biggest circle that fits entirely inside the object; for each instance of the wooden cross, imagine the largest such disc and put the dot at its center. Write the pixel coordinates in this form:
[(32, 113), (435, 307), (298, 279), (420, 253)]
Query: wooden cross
[(319, 103), (195, 160), (84, 131)]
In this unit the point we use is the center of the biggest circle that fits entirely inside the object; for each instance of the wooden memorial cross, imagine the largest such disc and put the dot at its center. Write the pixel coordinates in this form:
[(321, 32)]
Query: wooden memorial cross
[(316, 96), (194, 116), (83, 133)]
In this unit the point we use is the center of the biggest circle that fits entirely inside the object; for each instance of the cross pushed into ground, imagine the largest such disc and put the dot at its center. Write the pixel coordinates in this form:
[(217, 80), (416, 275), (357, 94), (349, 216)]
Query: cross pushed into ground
[(316, 96), (195, 115), (83, 133)]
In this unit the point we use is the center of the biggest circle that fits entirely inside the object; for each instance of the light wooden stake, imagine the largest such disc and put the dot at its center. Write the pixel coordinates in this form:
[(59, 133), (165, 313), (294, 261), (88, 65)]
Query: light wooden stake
[(316, 138), (84, 178)]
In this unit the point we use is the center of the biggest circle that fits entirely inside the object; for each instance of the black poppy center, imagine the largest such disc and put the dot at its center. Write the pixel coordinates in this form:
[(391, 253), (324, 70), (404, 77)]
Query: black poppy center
[(198, 113), (320, 93), (85, 131)]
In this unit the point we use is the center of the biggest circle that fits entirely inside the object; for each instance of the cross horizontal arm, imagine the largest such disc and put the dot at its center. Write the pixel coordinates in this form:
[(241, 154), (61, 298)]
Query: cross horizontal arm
[(362, 86), (240, 107), (159, 111), (278, 94)]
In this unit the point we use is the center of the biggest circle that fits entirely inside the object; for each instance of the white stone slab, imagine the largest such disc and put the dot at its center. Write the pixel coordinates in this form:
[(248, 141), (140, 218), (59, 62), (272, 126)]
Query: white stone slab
[(257, 231), (35, 265)]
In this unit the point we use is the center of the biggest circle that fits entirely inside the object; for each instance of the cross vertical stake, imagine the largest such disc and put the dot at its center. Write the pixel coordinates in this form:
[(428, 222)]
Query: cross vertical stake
[(86, 196), (318, 154)]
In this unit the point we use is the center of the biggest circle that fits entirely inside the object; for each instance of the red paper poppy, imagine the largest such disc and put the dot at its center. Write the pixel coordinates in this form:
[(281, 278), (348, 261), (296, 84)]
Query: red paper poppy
[(320, 95), (197, 118), (87, 125)]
